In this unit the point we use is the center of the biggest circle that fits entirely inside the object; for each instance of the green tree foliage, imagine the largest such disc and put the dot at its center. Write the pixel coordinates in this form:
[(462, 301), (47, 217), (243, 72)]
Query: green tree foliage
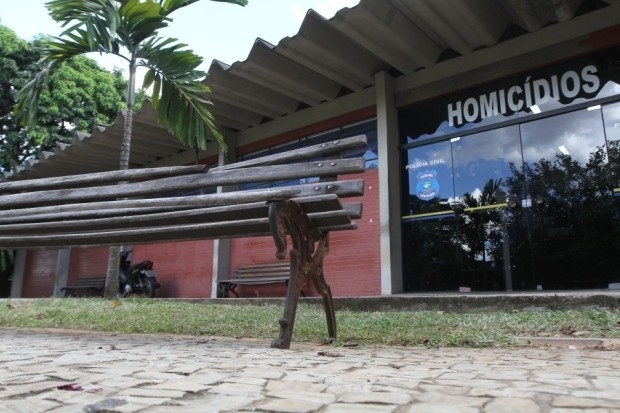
[(79, 95), (17, 58)]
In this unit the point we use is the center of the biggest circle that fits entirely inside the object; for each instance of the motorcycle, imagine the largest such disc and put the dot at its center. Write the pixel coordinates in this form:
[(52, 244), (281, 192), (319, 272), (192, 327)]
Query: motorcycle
[(138, 279)]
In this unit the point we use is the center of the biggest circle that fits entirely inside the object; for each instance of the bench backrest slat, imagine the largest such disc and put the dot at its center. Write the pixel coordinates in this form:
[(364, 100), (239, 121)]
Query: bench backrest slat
[(99, 178), (276, 269), (209, 179), (331, 203), (89, 282), (344, 188)]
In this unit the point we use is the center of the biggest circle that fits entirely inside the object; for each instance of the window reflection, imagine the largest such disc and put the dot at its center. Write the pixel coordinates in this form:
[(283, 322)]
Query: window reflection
[(561, 232), (573, 134), (611, 120), (482, 157)]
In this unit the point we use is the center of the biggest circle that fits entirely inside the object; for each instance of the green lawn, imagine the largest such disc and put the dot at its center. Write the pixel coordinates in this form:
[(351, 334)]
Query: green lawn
[(430, 328)]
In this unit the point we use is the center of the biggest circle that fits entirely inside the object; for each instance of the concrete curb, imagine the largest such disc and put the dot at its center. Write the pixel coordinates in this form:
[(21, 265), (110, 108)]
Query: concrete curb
[(572, 343), (454, 302)]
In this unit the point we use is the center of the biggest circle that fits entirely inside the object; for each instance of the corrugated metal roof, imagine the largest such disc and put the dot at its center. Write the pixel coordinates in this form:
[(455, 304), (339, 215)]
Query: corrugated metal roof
[(100, 150), (325, 60)]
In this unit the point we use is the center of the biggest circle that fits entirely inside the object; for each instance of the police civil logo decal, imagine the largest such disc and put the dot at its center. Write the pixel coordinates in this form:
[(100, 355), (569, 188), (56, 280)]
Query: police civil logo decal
[(427, 187)]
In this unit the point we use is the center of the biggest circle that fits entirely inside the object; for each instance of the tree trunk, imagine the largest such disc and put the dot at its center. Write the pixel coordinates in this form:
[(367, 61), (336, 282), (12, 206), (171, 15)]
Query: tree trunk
[(114, 257)]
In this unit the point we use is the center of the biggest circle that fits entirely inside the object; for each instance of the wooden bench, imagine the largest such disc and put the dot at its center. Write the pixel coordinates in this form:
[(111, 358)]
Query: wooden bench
[(85, 286), (255, 274), (134, 207)]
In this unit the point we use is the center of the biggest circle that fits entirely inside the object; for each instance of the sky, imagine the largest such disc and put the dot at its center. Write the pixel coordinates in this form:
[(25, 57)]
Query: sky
[(213, 30)]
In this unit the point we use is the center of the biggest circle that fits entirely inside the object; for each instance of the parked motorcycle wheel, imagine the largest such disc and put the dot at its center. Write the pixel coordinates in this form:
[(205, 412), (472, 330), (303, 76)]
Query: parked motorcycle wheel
[(148, 289)]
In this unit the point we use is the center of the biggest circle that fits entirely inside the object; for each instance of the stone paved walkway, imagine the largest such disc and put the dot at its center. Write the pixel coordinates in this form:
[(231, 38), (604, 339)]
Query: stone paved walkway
[(61, 371)]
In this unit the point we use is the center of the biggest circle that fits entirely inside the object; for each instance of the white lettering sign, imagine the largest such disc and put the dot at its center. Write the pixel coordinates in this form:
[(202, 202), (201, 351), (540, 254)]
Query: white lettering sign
[(518, 97), (421, 164)]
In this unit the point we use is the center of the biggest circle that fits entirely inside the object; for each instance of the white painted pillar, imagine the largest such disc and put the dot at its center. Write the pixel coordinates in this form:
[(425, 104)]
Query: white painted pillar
[(389, 186), (62, 271), (221, 247), (19, 269)]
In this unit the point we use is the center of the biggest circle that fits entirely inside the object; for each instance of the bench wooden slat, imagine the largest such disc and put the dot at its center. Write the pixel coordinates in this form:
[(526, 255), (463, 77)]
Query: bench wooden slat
[(280, 269), (209, 179), (256, 274), (219, 230), (219, 222), (98, 178), (344, 188), (311, 204), (256, 281), (309, 152)]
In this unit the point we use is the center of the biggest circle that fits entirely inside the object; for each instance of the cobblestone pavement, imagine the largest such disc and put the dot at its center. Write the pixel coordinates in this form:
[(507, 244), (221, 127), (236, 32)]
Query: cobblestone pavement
[(66, 371)]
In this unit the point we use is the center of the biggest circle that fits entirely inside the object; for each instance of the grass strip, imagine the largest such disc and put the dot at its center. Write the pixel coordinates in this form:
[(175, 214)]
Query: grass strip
[(429, 328)]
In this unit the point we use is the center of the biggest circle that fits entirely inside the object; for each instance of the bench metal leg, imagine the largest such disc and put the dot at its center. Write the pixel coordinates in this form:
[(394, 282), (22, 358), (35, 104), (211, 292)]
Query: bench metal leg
[(315, 271), (288, 217)]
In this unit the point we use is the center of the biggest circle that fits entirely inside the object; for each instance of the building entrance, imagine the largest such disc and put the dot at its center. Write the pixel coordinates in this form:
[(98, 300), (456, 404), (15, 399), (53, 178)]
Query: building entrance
[(533, 205)]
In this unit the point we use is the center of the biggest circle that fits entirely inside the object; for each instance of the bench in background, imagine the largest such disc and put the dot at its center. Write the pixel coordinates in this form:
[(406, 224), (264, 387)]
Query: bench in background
[(255, 274), (85, 287)]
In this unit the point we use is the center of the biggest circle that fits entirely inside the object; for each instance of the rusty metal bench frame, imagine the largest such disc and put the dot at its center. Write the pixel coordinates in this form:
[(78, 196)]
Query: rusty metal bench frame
[(110, 208)]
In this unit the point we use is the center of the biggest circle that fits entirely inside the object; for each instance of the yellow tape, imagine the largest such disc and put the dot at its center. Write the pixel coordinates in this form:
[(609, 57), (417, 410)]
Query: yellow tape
[(502, 205), (450, 212), (429, 214)]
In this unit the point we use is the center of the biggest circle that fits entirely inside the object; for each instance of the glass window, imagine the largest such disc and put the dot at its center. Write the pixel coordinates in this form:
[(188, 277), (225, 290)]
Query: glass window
[(528, 206), (429, 180), (575, 135), (611, 120), (482, 164), (567, 229)]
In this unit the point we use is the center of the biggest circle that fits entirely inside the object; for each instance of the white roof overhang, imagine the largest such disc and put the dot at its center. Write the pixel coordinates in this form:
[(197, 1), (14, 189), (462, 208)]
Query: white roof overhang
[(307, 77)]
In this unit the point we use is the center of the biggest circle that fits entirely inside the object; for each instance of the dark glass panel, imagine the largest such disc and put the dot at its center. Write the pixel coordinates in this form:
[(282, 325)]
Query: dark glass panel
[(567, 215)]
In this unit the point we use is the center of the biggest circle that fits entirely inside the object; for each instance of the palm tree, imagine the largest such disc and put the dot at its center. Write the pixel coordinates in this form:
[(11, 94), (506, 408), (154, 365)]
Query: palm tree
[(129, 29)]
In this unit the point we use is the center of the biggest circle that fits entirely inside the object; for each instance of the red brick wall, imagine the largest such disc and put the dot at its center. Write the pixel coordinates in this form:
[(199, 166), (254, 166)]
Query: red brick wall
[(40, 273), (183, 269), (87, 262), (352, 267)]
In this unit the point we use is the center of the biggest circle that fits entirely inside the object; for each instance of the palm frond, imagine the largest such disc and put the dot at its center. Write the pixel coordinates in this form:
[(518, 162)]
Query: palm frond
[(180, 99), (184, 109), (67, 11), (239, 2), (169, 6), (141, 20), (28, 97), (105, 26), (94, 20)]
